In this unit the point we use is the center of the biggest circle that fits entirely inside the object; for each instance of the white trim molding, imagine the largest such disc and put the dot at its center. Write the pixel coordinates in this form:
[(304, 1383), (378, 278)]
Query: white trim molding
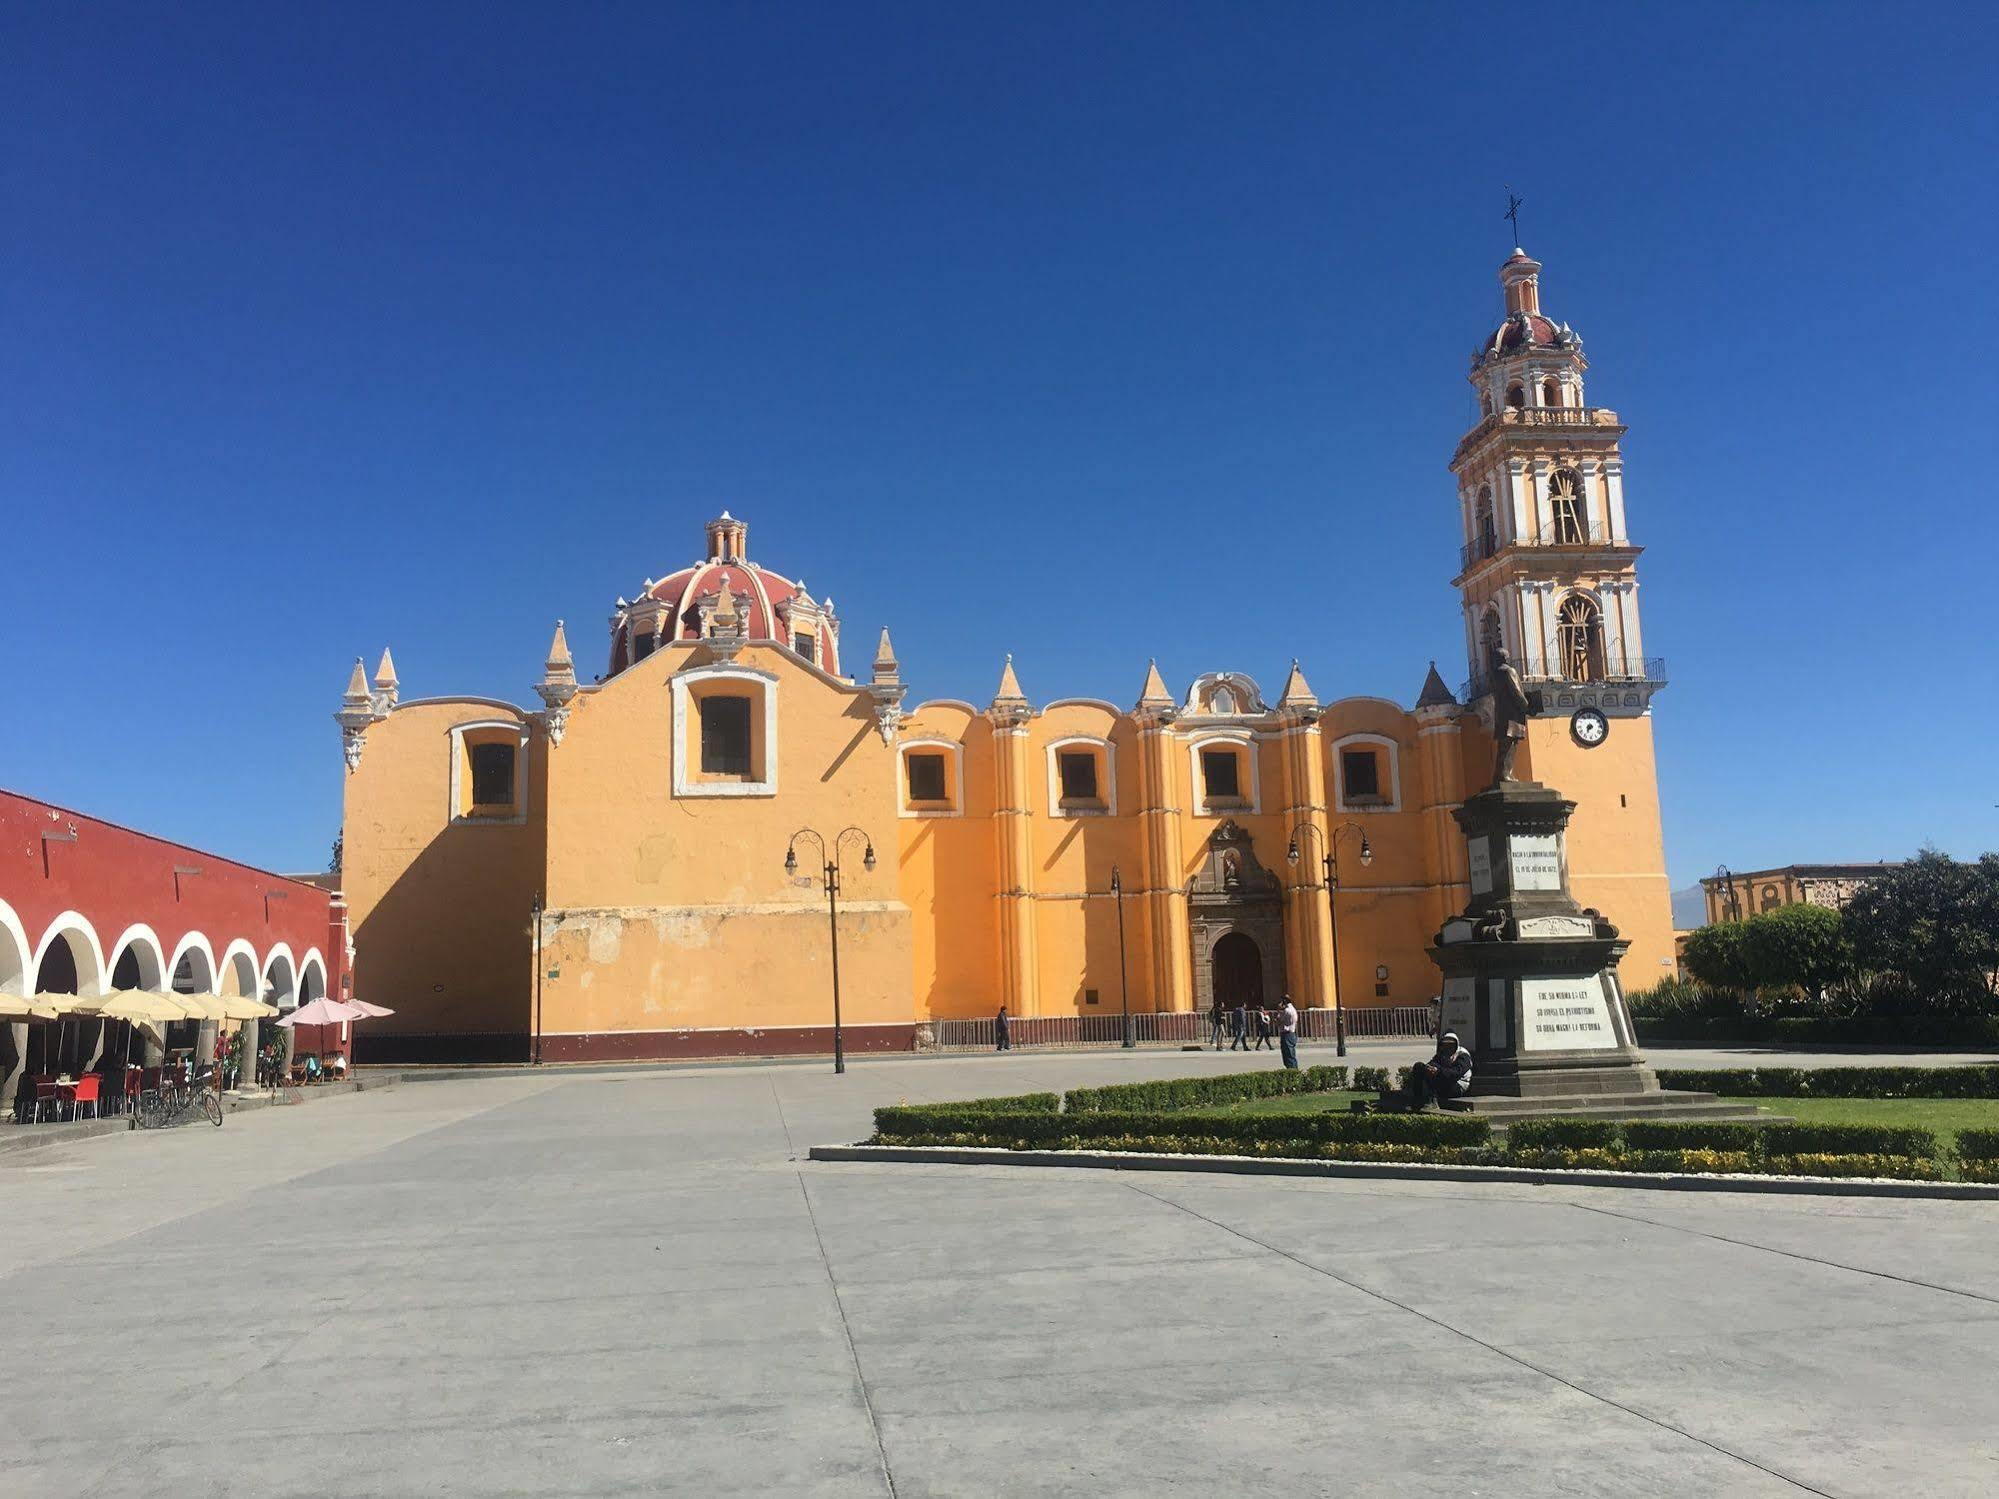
[(1106, 787), (1338, 769), (65, 925), (310, 961), (683, 783), (1247, 805), (13, 980), (193, 942), (144, 941), (458, 760), (241, 948), (956, 752)]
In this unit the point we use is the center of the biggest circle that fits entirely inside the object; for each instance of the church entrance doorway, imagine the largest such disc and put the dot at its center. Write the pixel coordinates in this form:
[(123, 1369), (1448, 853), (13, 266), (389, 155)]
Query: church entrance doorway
[(1238, 971)]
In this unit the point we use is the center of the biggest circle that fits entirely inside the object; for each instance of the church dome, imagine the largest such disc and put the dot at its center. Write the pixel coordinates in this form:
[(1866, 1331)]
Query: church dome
[(772, 607), (1526, 328)]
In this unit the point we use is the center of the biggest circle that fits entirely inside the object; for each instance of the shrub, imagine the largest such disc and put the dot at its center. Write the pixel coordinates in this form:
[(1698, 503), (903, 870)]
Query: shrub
[(1848, 1139), (1565, 1157), (1370, 1079), (1018, 1103), (1194, 1092), (1695, 1135), (1980, 1171), (1978, 1145), (1562, 1134), (1907, 1167), (1693, 1160), (1090, 1130), (1839, 1082)]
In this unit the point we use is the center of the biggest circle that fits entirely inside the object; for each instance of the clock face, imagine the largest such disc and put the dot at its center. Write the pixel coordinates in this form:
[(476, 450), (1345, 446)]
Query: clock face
[(1589, 727)]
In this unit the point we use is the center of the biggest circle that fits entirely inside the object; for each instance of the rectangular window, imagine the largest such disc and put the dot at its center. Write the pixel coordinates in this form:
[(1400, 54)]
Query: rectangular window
[(725, 736), (1221, 770), (1079, 775), (1360, 773), (804, 644), (1089, 996), (926, 778), (493, 775)]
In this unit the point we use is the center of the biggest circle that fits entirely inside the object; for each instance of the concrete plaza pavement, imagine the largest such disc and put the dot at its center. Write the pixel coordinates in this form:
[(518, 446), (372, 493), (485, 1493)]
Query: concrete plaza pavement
[(632, 1282)]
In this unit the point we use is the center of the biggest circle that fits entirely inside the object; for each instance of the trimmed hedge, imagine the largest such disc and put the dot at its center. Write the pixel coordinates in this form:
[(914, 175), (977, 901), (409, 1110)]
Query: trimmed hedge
[(1164, 1094), (1978, 1145), (1562, 1134), (1849, 1139), (1070, 1131), (1853, 1030), (1018, 1103), (1838, 1082), (1695, 1135)]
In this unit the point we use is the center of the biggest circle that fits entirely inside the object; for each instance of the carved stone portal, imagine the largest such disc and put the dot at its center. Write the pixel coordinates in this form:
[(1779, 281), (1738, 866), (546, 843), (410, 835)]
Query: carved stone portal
[(1235, 920)]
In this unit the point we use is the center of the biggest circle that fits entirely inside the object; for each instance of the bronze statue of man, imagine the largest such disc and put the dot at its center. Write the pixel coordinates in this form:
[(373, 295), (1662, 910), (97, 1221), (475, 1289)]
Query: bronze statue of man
[(1509, 715)]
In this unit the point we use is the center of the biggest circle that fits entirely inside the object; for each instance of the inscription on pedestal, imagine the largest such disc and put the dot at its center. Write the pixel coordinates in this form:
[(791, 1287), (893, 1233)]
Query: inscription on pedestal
[(1536, 860), (1478, 856), (1564, 1015), (1460, 1010)]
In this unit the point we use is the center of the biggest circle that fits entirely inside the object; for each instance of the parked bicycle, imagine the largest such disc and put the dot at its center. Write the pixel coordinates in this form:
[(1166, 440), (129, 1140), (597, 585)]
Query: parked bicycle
[(180, 1098)]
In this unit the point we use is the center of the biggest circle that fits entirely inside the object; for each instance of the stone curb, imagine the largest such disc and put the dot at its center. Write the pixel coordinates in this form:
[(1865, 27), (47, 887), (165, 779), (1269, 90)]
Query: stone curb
[(1238, 1165)]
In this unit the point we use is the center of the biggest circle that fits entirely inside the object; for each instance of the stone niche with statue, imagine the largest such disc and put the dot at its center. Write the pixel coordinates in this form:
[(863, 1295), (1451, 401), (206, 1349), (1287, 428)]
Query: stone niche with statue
[(1530, 977)]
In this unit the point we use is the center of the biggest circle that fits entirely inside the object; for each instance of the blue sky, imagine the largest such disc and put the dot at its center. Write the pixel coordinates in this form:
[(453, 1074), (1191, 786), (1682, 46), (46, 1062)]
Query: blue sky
[(1088, 333)]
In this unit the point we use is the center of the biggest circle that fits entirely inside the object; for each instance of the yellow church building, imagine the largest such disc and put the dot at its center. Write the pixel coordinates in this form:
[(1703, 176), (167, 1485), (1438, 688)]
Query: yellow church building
[(606, 875)]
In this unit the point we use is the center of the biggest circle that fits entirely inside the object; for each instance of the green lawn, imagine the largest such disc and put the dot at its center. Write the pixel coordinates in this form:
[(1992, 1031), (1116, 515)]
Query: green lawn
[(1944, 1115)]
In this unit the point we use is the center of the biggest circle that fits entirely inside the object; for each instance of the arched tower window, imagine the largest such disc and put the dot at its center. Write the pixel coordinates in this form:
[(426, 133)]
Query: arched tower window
[(1580, 631), (1516, 397), (1488, 531), (1490, 638), (1551, 392), (1569, 517)]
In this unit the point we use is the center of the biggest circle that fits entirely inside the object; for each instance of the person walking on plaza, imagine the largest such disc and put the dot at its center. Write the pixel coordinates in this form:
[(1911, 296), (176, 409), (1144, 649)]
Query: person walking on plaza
[(1239, 1027), (1287, 1034), (1002, 1036), (1264, 1033), (1215, 1024)]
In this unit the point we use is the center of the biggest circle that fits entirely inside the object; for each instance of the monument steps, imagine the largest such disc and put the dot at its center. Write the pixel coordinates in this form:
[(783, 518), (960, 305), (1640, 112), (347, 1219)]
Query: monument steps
[(1661, 1105)]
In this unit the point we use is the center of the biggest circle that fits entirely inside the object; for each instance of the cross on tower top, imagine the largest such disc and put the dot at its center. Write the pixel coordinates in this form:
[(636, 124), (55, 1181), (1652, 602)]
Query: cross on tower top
[(1513, 211)]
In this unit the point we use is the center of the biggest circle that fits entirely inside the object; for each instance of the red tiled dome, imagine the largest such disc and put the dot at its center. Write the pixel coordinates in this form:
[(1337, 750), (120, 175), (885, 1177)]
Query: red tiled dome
[(761, 595)]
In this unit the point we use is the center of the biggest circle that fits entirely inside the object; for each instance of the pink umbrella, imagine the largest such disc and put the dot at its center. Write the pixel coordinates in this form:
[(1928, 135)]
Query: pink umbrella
[(323, 1012), (367, 1009)]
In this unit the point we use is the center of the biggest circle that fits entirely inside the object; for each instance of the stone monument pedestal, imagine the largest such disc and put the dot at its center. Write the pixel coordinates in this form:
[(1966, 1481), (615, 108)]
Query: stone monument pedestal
[(1530, 977)]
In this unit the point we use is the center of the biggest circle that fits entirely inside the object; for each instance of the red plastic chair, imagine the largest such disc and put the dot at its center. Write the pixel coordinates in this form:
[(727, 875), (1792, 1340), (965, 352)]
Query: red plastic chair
[(85, 1092), (135, 1082)]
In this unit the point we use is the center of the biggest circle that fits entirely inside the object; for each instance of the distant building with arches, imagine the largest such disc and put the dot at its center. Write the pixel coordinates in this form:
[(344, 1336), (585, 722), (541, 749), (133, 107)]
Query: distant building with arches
[(603, 875), (87, 906)]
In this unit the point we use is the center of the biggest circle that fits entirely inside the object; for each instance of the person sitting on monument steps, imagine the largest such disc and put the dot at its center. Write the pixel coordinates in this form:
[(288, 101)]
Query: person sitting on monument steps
[(1445, 1076)]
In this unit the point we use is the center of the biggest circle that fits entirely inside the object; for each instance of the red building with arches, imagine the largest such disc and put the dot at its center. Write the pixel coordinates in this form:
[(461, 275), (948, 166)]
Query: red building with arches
[(87, 906)]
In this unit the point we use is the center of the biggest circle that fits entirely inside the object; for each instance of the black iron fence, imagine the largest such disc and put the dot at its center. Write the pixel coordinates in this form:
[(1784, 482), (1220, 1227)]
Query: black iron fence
[(1176, 1027)]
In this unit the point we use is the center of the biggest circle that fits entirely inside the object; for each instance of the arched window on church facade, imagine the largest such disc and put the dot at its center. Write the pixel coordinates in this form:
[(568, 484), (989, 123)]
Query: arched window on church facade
[(1488, 531), (1551, 392), (1568, 509), (1579, 629), (1516, 397)]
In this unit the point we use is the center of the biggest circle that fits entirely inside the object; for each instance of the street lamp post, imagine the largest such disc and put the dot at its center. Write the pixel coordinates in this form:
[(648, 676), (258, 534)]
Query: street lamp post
[(1731, 903), (1123, 976), (829, 856), (1329, 842)]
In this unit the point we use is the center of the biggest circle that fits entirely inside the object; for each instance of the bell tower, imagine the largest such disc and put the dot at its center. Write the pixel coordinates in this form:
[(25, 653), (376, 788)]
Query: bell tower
[(1548, 573), (1548, 570)]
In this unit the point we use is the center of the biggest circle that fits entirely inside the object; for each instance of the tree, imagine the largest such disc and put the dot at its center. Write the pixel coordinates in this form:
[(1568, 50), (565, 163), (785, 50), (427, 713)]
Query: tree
[(1803, 945), (1718, 956), (1934, 922)]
